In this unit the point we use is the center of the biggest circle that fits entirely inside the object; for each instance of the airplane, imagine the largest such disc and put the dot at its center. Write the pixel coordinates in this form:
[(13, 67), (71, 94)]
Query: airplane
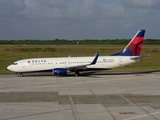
[(63, 65)]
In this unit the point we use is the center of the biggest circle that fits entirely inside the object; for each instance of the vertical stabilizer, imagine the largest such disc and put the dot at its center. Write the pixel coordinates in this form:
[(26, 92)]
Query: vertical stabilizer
[(134, 47)]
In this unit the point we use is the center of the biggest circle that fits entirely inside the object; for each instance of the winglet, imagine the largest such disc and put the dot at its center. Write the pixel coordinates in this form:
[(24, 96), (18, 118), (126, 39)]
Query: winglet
[(95, 59)]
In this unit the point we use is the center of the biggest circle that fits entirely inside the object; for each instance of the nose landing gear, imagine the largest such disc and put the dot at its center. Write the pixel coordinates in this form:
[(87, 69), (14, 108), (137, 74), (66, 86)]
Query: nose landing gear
[(19, 74)]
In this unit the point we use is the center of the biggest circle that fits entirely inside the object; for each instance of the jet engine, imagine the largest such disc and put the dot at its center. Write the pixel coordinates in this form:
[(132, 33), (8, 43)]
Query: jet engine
[(59, 71)]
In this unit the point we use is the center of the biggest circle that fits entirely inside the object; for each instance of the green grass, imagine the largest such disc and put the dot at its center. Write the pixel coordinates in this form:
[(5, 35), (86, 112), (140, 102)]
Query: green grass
[(11, 53)]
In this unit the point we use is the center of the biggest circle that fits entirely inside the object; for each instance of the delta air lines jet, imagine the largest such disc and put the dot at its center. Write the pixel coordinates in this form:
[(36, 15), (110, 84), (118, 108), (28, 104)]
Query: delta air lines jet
[(63, 65)]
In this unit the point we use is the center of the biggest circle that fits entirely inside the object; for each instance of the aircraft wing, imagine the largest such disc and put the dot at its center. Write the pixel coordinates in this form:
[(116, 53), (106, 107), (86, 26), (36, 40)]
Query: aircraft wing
[(83, 66)]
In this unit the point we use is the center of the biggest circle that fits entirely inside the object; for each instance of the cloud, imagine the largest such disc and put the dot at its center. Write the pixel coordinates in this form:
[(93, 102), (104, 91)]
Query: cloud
[(141, 3), (76, 19)]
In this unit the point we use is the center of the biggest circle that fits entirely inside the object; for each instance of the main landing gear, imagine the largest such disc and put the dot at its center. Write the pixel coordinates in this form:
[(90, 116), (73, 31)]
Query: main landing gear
[(77, 73), (21, 75)]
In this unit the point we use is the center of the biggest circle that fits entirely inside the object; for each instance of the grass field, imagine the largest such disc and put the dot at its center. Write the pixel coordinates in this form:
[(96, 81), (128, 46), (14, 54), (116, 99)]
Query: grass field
[(10, 53)]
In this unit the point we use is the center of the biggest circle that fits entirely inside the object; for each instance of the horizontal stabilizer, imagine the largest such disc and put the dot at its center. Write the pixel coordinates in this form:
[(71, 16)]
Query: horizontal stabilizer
[(137, 57)]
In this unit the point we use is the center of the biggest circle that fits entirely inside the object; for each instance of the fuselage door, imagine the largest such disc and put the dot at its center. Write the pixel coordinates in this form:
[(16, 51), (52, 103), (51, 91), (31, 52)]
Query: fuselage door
[(68, 63), (23, 65), (120, 61)]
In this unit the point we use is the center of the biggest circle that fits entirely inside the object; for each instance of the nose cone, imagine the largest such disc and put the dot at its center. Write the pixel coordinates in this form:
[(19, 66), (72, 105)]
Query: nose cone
[(9, 67)]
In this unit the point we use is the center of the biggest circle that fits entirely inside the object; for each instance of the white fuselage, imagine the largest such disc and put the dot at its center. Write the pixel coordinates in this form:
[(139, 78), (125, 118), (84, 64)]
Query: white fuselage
[(44, 64)]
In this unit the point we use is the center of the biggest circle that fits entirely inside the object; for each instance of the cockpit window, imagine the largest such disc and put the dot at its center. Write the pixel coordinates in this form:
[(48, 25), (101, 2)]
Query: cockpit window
[(15, 63)]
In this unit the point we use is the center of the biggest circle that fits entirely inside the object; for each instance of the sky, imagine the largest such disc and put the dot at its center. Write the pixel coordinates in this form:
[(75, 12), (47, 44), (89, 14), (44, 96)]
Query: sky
[(78, 19)]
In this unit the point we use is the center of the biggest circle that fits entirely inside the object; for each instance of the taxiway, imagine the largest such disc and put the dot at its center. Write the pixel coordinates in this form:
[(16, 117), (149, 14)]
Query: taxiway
[(87, 97)]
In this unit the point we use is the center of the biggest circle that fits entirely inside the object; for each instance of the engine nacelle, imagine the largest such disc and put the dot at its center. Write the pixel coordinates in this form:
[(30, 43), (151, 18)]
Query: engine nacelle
[(60, 71)]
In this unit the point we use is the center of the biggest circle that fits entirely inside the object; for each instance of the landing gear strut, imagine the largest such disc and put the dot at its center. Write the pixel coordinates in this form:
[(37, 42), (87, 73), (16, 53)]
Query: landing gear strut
[(77, 73), (19, 74)]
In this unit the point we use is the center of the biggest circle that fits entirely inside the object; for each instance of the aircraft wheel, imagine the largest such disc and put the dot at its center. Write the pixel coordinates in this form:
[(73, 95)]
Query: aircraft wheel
[(77, 73), (21, 75)]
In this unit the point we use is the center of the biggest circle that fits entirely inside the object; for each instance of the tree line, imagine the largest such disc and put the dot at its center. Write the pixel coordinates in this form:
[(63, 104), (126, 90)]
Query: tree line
[(75, 42)]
